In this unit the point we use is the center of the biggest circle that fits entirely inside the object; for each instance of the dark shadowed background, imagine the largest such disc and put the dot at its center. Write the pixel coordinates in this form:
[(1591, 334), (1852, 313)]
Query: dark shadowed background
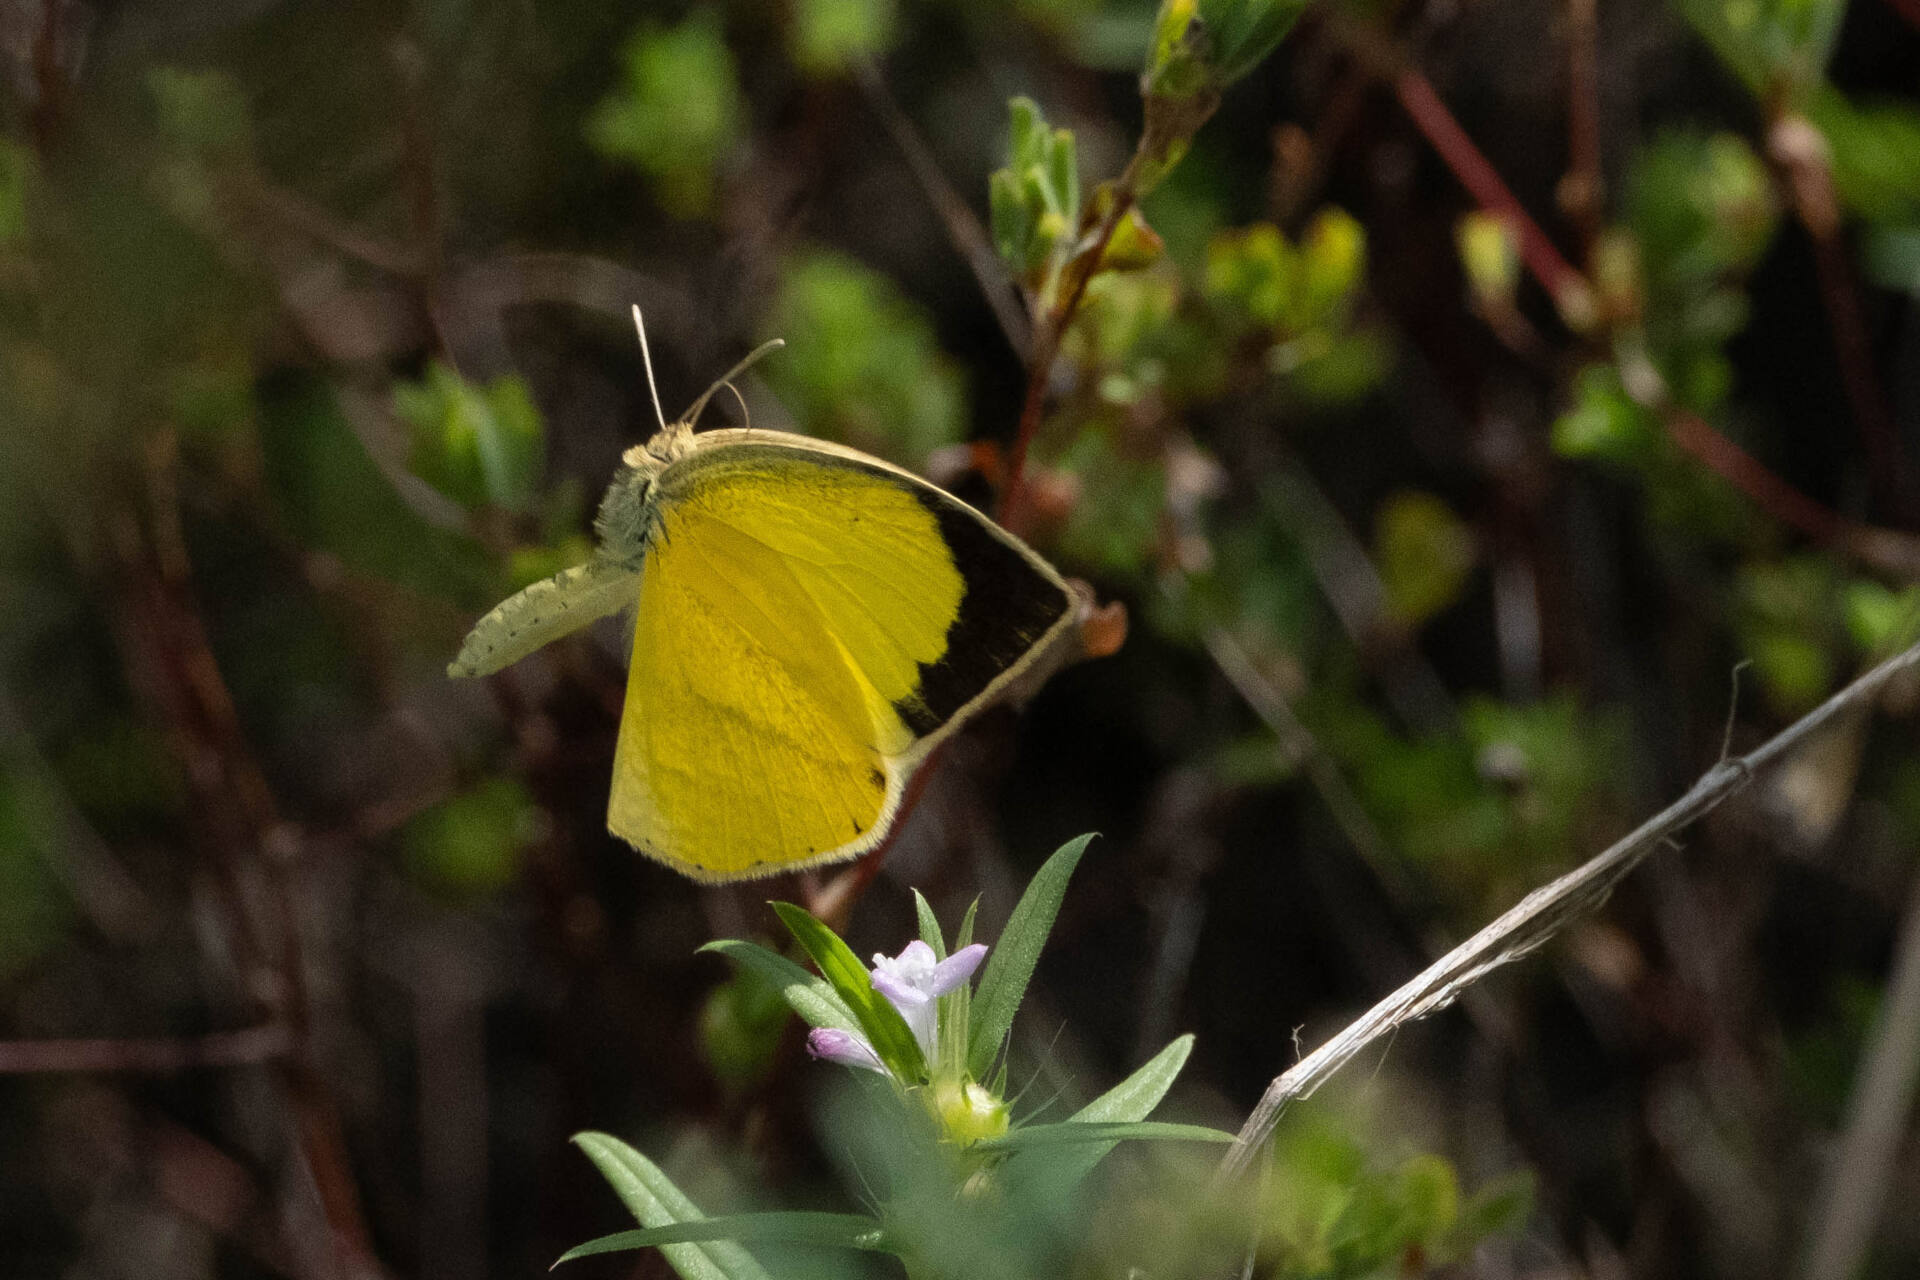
[(1440, 545)]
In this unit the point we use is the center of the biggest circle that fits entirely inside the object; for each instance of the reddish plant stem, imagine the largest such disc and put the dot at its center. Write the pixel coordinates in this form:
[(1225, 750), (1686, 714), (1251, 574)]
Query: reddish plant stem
[(1746, 473), (49, 77), (1908, 9), (1884, 549), (1802, 171), (833, 903), (171, 663), (1046, 344), (1483, 182)]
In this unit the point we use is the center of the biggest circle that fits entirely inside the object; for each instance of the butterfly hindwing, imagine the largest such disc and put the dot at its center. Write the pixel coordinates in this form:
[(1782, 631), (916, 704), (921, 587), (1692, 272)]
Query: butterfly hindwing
[(809, 623), (746, 743)]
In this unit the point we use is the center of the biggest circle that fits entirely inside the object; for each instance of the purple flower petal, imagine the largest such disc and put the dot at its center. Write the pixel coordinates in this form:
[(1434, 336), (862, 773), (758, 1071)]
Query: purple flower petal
[(843, 1047), (952, 973), (902, 994)]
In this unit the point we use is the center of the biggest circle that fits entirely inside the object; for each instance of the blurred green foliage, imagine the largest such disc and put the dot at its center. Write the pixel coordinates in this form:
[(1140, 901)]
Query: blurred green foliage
[(16, 170), (1331, 1210), (677, 111), (1425, 553), (1489, 809), (35, 908), (862, 365), (335, 497), (477, 445), (830, 36), (1332, 1204), (470, 845)]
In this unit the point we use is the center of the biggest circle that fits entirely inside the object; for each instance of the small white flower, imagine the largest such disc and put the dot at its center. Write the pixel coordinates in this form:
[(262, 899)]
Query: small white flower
[(913, 980)]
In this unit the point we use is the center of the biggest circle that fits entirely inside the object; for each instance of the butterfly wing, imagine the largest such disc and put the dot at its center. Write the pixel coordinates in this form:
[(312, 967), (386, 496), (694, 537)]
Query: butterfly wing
[(544, 612), (808, 626)]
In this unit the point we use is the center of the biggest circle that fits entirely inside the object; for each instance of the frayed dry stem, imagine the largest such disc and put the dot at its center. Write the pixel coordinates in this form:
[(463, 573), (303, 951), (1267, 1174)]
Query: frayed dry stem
[(1862, 1170), (1539, 916)]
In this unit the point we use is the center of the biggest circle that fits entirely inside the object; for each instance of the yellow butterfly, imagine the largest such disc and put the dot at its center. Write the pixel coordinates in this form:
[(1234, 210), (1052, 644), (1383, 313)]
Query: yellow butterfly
[(809, 622)]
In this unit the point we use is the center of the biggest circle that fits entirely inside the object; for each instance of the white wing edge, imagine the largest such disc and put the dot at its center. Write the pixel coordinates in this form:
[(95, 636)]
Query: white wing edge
[(543, 613)]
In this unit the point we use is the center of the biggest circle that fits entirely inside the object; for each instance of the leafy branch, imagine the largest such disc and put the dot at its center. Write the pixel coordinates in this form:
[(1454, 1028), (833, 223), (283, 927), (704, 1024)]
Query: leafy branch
[(1053, 243)]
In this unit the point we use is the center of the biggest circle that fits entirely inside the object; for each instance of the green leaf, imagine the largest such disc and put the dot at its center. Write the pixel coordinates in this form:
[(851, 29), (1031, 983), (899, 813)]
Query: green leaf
[(1063, 173), (1244, 32), (1132, 1100), (929, 925), (1135, 1097), (964, 938), (1025, 127), (1427, 1191), (812, 998), (740, 1024), (1010, 965), (1879, 619), (1494, 1208), (1876, 155), (1074, 1133), (655, 1201), (881, 1023), (831, 1230), (1035, 199), (1012, 221), (1603, 421)]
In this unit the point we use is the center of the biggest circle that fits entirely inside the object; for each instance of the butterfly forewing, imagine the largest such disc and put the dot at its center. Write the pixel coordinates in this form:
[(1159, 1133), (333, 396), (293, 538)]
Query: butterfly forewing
[(809, 623)]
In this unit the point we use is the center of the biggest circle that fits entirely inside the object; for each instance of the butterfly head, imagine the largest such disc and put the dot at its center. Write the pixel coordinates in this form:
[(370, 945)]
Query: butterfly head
[(627, 512)]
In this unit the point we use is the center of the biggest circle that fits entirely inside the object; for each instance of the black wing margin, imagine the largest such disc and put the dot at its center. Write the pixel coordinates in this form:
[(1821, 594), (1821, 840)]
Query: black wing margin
[(1009, 605)]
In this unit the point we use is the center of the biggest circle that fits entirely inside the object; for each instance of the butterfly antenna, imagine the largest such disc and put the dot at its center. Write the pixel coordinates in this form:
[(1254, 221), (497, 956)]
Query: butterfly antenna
[(746, 414), (646, 358), (693, 414)]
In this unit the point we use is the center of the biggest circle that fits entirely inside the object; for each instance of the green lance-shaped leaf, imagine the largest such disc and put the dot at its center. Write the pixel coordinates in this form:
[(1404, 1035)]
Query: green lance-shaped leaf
[(1199, 47), (817, 1003), (929, 925), (1244, 32), (831, 1230), (1063, 173), (1011, 217), (881, 1023), (1026, 132), (1076, 1133), (1010, 965), (655, 1201), (1132, 1100)]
